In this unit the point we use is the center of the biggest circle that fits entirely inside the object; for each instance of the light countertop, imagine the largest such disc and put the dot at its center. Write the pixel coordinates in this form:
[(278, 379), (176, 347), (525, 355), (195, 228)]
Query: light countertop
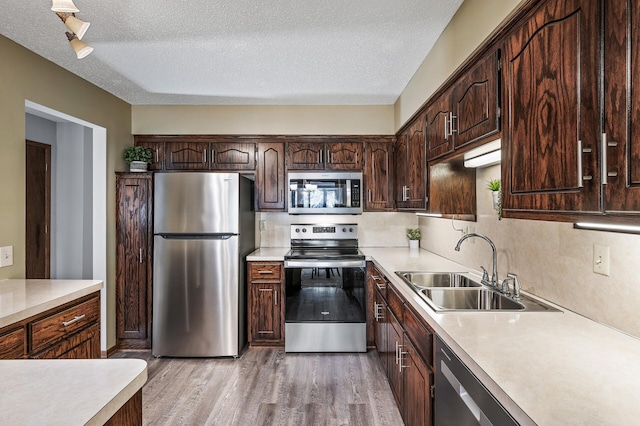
[(268, 254), (67, 392), (21, 299), (546, 368)]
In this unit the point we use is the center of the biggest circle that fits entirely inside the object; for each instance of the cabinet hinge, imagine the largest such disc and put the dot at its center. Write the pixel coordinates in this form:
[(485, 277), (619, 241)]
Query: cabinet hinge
[(46, 168), (499, 112), (433, 391)]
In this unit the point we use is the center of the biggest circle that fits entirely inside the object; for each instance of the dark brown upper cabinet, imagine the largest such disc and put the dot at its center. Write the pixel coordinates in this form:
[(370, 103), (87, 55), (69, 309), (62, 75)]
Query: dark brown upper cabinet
[(187, 156), (232, 156), (157, 162), (270, 179), (550, 144), (620, 141), (411, 167), (452, 188), (324, 156), (378, 176), (467, 112)]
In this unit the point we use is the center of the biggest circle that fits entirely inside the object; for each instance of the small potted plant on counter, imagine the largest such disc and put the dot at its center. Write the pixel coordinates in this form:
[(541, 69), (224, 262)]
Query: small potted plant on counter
[(138, 158), (414, 237), (494, 186)]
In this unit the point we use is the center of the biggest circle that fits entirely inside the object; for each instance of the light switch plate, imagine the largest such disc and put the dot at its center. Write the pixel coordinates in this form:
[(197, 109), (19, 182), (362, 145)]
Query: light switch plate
[(601, 261), (6, 256)]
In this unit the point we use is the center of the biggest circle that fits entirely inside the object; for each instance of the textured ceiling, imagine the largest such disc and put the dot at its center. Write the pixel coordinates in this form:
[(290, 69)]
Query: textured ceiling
[(245, 52)]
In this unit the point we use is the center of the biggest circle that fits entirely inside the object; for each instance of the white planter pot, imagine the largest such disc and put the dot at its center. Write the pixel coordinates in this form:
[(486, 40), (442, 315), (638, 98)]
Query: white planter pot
[(496, 199), (138, 166), (414, 244)]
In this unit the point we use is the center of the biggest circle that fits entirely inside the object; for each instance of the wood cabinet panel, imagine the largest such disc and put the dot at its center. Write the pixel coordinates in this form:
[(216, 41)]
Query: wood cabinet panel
[(621, 139), (344, 156), (378, 176), (62, 324), (305, 156), (232, 156), (396, 303), (552, 107), (130, 414), (421, 335), (82, 345), (270, 178), (411, 167), (394, 370), (418, 379), (157, 163), (13, 344), (133, 260), (186, 156), (437, 127), (266, 303), (475, 102), (452, 188)]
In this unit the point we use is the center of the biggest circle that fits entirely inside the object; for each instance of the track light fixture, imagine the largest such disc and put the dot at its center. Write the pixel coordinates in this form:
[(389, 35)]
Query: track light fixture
[(78, 46), (64, 6), (66, 11), (76, 25)]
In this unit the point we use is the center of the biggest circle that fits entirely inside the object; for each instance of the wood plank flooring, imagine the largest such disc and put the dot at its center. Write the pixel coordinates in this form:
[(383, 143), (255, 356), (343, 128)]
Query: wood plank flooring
[(268, 387)]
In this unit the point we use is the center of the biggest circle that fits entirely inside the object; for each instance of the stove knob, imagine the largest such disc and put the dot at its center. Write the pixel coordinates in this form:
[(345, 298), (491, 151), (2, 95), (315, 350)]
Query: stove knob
[(344, 229), (297, 230), (304, 229), (350, 229)]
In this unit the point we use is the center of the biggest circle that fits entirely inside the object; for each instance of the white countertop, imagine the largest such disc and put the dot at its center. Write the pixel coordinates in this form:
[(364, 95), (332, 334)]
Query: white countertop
[(21, 299), (268, 254), (545, 368), (67, 392)]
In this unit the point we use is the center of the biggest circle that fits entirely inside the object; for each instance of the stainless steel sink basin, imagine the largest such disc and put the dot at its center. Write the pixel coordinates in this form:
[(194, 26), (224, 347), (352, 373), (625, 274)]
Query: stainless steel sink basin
[(437, 279), (459, 291), (479, 299)]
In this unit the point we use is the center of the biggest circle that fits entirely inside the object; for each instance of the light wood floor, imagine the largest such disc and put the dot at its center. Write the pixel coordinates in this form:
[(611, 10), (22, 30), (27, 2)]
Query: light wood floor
[(268, 387)]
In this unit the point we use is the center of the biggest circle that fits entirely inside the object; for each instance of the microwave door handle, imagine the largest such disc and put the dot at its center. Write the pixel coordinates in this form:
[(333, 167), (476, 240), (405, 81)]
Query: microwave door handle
[(348, 200)]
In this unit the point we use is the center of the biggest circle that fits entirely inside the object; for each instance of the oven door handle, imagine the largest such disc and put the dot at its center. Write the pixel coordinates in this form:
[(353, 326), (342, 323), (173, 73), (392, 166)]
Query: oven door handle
[(310, 263)]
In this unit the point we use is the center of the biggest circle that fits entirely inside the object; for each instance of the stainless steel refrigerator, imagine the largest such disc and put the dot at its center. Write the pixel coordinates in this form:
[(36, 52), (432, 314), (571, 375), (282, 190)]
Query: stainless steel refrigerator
[(204, 227)]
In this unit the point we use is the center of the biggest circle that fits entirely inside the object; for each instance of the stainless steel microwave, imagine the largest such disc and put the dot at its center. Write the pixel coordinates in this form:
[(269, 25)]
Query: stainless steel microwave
[(325, 193)]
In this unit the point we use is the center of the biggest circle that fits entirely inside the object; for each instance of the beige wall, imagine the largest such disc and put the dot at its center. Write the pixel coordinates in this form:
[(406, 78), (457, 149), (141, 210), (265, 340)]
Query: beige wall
[(263, 120), (474, 21), (27, 76)]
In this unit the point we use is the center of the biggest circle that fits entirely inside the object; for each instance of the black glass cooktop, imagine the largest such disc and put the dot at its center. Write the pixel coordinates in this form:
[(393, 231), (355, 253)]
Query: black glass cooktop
[(324, 253)]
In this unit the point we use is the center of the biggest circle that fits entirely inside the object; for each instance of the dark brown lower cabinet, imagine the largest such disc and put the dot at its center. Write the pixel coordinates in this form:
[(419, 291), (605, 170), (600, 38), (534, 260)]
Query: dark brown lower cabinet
[(405, 346), (265, 299), (82, 345), (12, 344)]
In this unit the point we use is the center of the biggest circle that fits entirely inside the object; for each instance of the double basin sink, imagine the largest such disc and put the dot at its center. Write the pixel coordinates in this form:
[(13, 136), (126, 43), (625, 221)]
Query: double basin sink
[(446, 291)]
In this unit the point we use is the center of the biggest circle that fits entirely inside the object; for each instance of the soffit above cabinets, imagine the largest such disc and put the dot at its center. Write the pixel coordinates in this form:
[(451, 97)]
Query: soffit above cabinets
[(214, 52)]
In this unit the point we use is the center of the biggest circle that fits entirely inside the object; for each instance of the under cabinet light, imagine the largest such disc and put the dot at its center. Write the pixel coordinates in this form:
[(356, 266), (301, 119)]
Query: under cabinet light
[(429, 214), (630, 229), (484, 156)]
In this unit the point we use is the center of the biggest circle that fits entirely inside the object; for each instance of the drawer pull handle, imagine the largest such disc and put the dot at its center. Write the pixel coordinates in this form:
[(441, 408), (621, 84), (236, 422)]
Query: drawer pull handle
[(380, 287), (74, 320), (262, 271)]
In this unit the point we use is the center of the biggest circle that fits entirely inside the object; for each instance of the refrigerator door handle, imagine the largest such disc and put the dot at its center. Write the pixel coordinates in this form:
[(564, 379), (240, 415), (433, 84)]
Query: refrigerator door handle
[(196, 236)]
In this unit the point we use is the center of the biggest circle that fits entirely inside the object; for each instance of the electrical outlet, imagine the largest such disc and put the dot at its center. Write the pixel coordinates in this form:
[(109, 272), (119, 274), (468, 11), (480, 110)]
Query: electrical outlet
[(263, 225), (601, 262), (6, 256)]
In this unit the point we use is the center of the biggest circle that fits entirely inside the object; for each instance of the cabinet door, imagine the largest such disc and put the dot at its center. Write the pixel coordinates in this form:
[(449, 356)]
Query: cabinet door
[(265, 312), (417, 166), (417, 381), (305, 156), (550, 151), (133, 251), (157, 163), (12, 344), (378, 176), (233, 156), (621, 141), (344, 156), (438, 126), (270, 176), (475, 102), (82, 345), (186, 156), (380, 327), (394, 347), (400, 158)]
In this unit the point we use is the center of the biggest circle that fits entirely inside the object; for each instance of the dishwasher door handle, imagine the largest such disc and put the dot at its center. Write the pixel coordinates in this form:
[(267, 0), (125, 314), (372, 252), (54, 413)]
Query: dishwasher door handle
[(461, 391)]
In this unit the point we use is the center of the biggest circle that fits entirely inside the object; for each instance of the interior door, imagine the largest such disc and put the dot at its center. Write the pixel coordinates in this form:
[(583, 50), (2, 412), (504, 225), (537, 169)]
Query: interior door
[(38, 207)]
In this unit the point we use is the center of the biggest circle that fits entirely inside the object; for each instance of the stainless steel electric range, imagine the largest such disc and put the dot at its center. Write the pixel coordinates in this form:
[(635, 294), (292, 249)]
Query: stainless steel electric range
[(325, 290)]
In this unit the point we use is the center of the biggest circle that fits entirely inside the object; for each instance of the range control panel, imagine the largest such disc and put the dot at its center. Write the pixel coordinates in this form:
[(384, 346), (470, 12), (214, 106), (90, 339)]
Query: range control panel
[(347, 231)]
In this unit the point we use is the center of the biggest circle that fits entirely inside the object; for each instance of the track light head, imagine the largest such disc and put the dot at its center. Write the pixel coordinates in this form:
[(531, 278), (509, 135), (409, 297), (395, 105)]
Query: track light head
[(80, 47), (64, 6), (76, 25)]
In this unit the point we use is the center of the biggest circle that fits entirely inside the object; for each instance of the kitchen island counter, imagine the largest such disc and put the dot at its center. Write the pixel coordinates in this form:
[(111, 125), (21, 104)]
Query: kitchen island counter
[(546, 368)]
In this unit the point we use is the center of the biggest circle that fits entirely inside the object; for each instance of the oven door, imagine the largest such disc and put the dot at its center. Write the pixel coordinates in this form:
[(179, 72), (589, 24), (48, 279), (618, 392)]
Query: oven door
[(325, 309)]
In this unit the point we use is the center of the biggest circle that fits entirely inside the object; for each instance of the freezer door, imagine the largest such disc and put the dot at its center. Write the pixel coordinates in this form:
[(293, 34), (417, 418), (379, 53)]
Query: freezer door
[(196, 203), (196, 296)]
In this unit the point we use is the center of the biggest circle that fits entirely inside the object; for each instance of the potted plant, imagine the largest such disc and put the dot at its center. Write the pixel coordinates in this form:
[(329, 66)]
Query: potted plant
[(494, 186), (138, 158), (414, 237)]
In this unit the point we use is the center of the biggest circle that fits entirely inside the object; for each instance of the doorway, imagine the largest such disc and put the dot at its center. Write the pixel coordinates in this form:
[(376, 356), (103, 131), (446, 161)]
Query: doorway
[(38, 210)]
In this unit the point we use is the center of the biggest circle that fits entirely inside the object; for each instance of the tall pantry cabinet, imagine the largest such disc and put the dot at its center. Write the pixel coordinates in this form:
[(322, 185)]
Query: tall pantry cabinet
[(134, 236)]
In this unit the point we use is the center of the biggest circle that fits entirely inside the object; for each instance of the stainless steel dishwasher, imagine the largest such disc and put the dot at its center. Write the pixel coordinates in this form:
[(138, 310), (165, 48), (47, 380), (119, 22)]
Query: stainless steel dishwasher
[(460, 398)]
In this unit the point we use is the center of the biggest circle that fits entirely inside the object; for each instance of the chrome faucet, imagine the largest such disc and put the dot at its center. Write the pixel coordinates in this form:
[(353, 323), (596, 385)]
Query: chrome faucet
[(494, 273), (516, 286)]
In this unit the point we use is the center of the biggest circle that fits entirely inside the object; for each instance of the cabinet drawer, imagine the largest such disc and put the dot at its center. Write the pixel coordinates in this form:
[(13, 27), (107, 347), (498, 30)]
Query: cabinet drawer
[(395, 302), (265, 271), (380, 282), (12, 344), (420, 336), (64, 323)]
